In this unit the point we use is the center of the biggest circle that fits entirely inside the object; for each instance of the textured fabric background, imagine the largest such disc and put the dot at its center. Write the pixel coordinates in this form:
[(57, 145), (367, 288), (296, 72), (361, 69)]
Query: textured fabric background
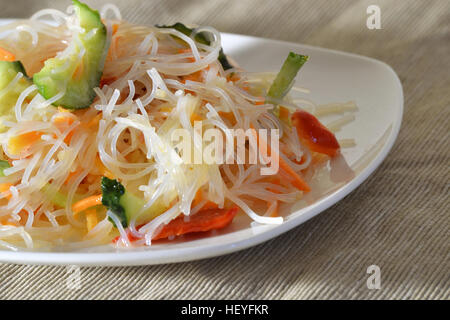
[(398, 219)]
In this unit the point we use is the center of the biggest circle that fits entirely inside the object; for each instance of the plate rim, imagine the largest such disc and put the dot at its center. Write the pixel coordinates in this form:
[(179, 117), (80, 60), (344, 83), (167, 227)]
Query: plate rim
[(148, 257)]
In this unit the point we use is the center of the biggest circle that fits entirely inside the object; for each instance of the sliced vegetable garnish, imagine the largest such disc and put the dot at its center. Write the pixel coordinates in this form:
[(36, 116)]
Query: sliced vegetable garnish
[(77, 70), (3, 165), (6, 55), (285, 77), (9, 70), (87, 203), (55, 196), (126, 205), (4, 187), (200, 38), (112, 192), (202, 221), (296, 180), (20, 143), (91, 219), (314, 134)]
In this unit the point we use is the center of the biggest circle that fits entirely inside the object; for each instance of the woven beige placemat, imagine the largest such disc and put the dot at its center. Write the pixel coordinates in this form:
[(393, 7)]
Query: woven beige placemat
[(398, 219)]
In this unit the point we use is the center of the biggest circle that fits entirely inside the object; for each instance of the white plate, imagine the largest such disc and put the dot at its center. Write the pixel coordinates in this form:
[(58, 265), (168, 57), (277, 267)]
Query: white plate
[(331, 76)]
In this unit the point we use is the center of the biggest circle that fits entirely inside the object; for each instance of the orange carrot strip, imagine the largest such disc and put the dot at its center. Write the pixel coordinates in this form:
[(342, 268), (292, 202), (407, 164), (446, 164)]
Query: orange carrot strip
[(19, 143), (6, 55), (103, 170), (260, 102), (91, 219), (195, 117), (87, 203), (202, 221), (229, 116), (284, 114), (208, 204), (297, 181), (115, 27), (4, 187)]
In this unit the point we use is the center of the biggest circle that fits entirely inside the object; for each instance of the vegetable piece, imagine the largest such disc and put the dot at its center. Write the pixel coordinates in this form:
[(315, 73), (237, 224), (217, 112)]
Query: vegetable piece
[(91, 219), (207, 205), (57, 197), (202, 221), (286, 76), (20, 143), (54, 196), (314, 134), (126, 205), (8, 98), (4, 165), (296, 180), (201, 38), (6, 55), (5, 187), (87, 203), (284, 114), (73, 72)]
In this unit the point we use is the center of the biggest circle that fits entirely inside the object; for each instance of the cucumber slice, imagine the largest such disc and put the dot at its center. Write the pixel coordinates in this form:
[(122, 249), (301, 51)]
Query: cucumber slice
[(10, 93), (76, 70), (126, 205)]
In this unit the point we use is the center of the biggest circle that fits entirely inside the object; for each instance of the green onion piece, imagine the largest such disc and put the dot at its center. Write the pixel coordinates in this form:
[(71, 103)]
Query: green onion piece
[(285, 78)]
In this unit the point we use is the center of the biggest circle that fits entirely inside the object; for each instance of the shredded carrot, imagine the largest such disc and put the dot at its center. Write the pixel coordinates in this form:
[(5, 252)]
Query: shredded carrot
[(87, 203), (196, 76), (265, 148), (229, 116), (208, 204), (62, 120), (101, 167), (197, 198), (234, 77), (71, 175), (4, 187), (260, 102), (284, 114), (6, 55), (195, 117), (20, 143), (191, 59), (94, 121), (91, 219), (115, 27)]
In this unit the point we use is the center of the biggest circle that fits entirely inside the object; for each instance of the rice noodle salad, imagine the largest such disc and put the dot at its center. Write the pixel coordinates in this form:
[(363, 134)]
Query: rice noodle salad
[(88, 107)]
